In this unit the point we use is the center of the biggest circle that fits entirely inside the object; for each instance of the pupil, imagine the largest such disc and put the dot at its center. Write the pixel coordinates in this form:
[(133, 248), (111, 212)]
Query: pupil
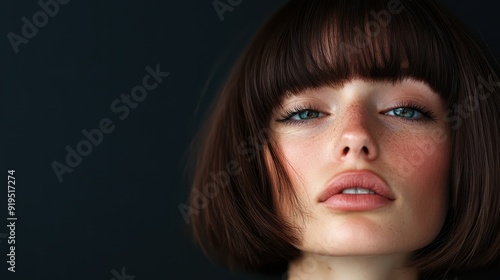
[(405, 112), (307, 114)]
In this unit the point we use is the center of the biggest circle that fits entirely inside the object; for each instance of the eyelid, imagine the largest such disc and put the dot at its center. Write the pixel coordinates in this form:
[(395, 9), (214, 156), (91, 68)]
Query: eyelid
[(427, 114), (287, 114)]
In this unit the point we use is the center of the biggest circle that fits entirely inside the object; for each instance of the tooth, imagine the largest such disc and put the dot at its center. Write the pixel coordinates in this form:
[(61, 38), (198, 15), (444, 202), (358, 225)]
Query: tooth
[(362, 191), (349, 191), (357, 191)]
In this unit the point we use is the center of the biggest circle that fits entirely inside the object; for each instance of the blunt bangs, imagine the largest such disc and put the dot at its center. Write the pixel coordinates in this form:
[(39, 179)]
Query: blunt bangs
[(310, 44)]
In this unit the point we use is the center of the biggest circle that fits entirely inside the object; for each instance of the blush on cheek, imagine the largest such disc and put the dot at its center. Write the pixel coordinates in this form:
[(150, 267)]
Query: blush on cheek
[(420, 170), (428, 189), (301, 162)]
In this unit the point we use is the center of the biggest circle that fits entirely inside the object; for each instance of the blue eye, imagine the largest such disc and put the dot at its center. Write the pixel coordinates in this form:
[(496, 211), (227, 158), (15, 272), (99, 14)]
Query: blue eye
[(305, 115), (301, 115), (405, 112), (412, 112)]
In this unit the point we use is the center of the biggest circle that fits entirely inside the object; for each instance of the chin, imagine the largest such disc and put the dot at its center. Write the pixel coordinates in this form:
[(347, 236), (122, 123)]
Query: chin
[(365, 239)]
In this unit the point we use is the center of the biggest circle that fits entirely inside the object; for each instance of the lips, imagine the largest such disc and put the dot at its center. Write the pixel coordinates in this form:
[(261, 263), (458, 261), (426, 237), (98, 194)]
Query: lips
[(371, 192)]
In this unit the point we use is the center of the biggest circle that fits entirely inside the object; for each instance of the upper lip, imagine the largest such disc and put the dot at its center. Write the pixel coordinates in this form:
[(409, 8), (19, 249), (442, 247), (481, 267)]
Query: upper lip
[(356, 179)]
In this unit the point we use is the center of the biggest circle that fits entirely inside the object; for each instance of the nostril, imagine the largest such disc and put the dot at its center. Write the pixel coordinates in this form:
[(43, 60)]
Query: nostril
[(365, 149), (346, 150)]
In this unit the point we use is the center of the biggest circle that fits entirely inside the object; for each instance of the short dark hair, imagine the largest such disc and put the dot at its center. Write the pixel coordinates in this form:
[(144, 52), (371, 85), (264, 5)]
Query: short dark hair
[(313, 43)]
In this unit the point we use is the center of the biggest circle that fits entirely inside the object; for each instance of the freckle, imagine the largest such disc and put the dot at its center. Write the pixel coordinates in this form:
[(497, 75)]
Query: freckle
[(329, 268)]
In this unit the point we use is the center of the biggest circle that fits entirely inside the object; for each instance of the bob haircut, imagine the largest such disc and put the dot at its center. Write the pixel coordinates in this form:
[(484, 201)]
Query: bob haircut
[(233, 209)]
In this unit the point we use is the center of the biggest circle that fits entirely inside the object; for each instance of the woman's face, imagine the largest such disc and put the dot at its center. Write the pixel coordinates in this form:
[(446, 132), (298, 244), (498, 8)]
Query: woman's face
[(365, 126)]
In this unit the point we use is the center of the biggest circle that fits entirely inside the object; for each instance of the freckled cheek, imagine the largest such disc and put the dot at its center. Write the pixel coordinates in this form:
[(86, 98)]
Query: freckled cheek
[(423, 173), (434, 169), (418, 159)]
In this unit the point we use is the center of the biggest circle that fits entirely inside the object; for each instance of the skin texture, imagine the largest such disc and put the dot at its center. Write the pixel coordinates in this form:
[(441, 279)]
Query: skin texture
[(357, 128)]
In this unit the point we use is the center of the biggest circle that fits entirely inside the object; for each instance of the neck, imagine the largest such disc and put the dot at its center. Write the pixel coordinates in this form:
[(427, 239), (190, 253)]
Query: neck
[(385, 267)]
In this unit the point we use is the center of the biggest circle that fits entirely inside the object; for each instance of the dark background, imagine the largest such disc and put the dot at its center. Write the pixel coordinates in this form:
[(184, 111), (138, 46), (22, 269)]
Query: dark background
[(119, 207)]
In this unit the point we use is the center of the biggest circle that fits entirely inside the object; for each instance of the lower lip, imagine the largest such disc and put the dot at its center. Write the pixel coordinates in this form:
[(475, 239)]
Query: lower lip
[(356, 202)]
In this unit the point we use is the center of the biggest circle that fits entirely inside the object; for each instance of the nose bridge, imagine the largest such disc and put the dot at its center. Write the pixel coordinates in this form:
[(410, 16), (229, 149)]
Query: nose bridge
[(353, 118), (354, 115), (355, 134)]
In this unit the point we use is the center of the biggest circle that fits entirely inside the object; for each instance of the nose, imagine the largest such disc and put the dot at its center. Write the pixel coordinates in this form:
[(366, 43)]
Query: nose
[(356, 139)]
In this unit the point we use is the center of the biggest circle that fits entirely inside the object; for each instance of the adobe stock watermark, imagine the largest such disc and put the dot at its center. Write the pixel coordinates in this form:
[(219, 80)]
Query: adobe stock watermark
[(463, 110), (221, 7), (372, 28), (121, 107), (121, 276), (455, 117), (221, 179), (30, 28)]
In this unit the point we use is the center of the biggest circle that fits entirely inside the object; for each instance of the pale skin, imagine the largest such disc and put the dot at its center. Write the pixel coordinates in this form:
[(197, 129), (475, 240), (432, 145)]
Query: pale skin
[(358, 126)]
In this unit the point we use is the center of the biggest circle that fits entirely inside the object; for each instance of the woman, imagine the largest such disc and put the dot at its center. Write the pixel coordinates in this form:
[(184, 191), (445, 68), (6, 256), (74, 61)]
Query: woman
[(353, 140)]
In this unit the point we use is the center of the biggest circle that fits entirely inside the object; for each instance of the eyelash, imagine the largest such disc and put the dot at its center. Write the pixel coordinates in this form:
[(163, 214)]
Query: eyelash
[(287, 115), (427, 114)]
